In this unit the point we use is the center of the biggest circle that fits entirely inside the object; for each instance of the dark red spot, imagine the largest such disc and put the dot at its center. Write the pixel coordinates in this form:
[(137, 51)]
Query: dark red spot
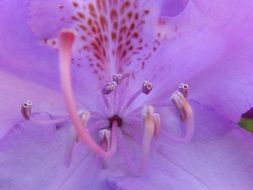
[(94, 29), (136, 16), (123, 29), (103, 22), (124, 6), (81, 15), (114, 36), (114, 14), (89, 22), (132, 26), (135, 35), (146, 11), (83, 28), (129, 15), (91, 7), (115, 25), (75, 4), (83, 38), (74, 18)]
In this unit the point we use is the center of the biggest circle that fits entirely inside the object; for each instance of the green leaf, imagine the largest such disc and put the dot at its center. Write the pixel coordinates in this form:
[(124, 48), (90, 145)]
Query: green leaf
[(247, 124)]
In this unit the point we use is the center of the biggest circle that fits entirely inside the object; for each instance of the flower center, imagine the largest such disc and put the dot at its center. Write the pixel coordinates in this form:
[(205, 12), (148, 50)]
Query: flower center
[(117, 119), (110, 36), (109, 136)]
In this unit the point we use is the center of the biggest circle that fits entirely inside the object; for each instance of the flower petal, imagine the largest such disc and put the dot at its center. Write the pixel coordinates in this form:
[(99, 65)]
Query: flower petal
[(173, 7), (206, 36), (32, 156), (209, 124), (21, 53), (15, 90), (223, 161), (46, 18), (228, 85), (228, 158)]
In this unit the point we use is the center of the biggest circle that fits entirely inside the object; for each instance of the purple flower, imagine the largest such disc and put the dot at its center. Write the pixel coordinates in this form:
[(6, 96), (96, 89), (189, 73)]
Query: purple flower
[(151, 94)]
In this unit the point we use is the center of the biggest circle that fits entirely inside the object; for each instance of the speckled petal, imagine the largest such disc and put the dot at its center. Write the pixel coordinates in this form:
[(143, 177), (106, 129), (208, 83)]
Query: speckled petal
[(208, 39), (46, 18)]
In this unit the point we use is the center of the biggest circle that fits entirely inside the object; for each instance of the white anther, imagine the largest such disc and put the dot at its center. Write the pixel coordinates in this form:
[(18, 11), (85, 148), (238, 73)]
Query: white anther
[(147, 87), (105, 137), (148, 134), (179, 100), (184, 89), (186, 115), (148, 111), (84, 116), (104, 133), (157, 121), (117, 78), (26, 109), (110, 87)]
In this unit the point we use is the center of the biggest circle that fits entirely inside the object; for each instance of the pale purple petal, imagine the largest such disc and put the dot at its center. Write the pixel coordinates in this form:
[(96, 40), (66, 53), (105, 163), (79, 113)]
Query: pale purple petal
[(193, 41), (21, 51), (206, 36), (47, 18), (15, 90), (228, 85), (173, 7), (25, 54), (216, 158), (32, 157)]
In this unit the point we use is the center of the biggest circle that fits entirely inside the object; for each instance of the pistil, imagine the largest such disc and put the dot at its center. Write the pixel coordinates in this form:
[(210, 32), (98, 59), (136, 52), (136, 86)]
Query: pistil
[(66, 39), (186, 115)]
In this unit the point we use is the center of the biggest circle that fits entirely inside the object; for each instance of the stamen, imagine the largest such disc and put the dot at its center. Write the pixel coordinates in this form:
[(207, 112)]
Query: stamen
[(186, 114), (117, 78), (146, 89), (157, 121), (26, 110), (184, 89), (178, 99), (148, 135), (109, 138), (69, 149), (110, 87), (105, 139), (66, 39), (84, 116)]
